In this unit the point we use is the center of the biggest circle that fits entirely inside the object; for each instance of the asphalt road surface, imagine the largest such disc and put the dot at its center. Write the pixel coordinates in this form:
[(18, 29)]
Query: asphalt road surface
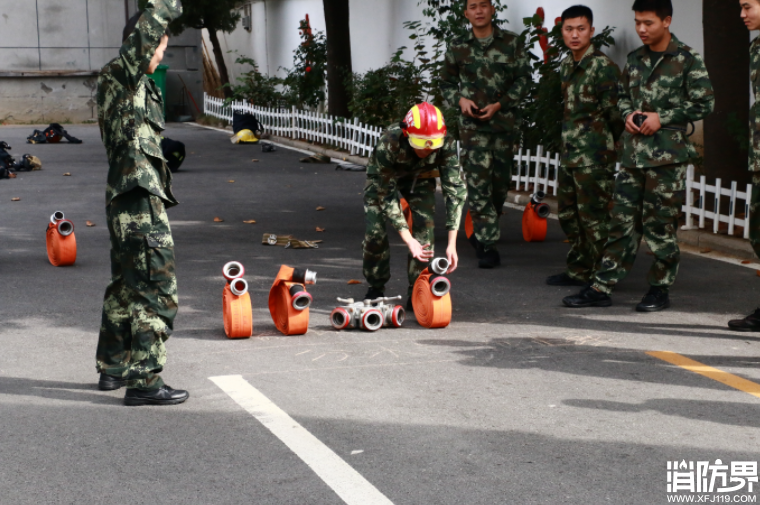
[(518, 401)]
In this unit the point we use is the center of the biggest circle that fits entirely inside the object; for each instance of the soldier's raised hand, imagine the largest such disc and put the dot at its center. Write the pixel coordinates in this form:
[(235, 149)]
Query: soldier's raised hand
[(652, 125), (469, 108), (487, 112)]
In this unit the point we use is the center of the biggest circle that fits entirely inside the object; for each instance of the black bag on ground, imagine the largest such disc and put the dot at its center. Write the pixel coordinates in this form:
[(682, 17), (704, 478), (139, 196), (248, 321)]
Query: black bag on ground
[(246, 121), (174, 152), (51, 135)]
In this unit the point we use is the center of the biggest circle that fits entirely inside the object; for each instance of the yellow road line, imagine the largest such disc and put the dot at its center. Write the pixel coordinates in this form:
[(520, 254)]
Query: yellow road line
[(726, 378)]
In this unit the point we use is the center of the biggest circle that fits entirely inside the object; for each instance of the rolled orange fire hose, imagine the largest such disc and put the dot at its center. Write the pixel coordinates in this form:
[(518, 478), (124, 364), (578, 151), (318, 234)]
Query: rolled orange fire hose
[(534, 227), (431, 311), (407, 213), (287, 318), (61, 250), (238, 314)]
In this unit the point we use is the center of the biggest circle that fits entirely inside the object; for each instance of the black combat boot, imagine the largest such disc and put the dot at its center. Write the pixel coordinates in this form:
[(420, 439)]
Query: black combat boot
[(409, 306), (657, 299), (164, 395), (749, 323), (563, 280), (477, 245), (373, 294), (588, 297), (110, 383), (490, 259)]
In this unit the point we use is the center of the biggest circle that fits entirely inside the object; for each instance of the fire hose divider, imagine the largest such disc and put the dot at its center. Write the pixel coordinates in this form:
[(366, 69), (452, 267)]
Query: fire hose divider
[(431, 311), (61, 243)]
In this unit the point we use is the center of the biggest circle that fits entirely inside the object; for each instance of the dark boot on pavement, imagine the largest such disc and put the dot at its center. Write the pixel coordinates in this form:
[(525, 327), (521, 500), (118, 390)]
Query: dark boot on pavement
[(373, 294), (588, 297), (477, 245), (564, 280), (657, 299), (409, 306), (749, 323), (490, 259), (110, 383), (164, 395)]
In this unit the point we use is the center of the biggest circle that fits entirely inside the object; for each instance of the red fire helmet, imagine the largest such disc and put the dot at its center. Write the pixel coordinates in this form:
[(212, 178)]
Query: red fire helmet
[(425, 127)]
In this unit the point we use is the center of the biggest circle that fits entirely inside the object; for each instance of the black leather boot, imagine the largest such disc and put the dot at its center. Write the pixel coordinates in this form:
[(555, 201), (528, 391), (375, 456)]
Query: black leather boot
[(749, 323), (373, 294), (490, 259), (655, 300), (563, 280), (588, 297), (164, 395), (110, 383)]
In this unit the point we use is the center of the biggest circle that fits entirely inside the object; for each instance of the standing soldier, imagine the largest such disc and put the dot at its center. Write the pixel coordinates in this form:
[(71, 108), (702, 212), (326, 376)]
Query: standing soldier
[(590, 126), (407, 160), (141, 300), (750, 13), (486, 76), (664, 87)]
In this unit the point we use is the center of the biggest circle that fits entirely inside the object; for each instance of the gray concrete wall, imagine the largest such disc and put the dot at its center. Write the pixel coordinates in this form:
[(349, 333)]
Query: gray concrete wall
[(52, 50)]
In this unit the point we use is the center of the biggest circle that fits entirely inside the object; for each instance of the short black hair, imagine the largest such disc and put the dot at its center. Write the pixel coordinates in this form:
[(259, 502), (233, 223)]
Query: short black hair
[(132, 24), (579, 11), (663, 8)]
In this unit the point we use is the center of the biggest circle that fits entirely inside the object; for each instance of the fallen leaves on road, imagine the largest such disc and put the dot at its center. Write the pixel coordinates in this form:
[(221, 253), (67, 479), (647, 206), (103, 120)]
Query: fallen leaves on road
[(566, 241), (231, 181), (250, 221), (354, 281), (746, 262), (254, 160), (320, 229), (320, 208), (705, 251), (67, 174), (15, 199), (89, 224), (218, 220)]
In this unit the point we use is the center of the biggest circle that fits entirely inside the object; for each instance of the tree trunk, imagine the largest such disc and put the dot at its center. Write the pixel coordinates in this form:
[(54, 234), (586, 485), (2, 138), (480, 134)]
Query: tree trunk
[(727, 60), (338, 56), (220, 64)]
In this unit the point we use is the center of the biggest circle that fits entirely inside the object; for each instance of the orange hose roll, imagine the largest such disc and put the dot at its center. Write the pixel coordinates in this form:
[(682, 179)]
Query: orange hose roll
[(431, 311), (287, 319), (61, 249), (534, 227), (407, 213), (238, 314)]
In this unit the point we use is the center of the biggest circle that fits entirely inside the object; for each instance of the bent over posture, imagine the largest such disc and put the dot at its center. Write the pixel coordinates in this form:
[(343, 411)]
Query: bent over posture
[(407, 160), (141, 300)]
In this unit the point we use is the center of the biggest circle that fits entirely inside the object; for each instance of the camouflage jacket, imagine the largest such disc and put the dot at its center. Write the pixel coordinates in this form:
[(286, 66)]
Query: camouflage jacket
[(130, 109), (754, 113), (500, 73), (591, 122), (394, 158), (679, 89)]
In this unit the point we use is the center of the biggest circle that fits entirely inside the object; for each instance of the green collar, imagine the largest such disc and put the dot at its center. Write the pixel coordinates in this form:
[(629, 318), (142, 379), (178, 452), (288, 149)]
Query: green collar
[(496, 34), (585, 59)]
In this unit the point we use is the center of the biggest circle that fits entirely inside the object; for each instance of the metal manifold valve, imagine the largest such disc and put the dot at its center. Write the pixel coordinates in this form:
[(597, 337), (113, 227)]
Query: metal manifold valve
[(369, 315)]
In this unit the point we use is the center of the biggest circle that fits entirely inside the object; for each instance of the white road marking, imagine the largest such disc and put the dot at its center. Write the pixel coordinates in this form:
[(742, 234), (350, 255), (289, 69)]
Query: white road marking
[(347, 483)]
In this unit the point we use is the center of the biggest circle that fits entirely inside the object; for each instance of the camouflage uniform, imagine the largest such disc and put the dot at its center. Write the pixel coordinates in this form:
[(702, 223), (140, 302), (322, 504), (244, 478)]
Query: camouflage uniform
[(649, 191), (501, 73), (591, 124), (141, 300), (395, 168), (754, 148)]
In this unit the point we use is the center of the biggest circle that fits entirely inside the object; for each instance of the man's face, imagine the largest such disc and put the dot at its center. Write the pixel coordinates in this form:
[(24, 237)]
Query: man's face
[(651, 28), (577, 33), (479, 13), (750, 13), (156, 60)]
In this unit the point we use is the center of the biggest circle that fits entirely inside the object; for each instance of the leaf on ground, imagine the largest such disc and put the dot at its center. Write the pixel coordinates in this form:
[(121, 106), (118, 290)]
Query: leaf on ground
[(320, 208), (67, 174), (218, 220), (746, 262), (15, 199), (320, 229), (254, 160), (705, 251), (11, 176), (231, 181), (89, 224), (566, 241), (354, 281), (250, 221)]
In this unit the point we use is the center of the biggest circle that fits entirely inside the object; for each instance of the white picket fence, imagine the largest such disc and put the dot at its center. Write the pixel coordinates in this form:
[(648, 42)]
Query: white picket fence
[(534, 171), (353, 136)]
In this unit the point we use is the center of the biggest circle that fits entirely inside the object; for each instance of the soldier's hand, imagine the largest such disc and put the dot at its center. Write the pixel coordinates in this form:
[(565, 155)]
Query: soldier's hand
[(451, 255), (468, 107), (652, 125), (486, 113), (418, 251), (630, 126)]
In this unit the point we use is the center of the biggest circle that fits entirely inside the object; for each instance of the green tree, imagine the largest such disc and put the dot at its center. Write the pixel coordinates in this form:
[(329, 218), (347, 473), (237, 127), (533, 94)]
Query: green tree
[(215, 16)]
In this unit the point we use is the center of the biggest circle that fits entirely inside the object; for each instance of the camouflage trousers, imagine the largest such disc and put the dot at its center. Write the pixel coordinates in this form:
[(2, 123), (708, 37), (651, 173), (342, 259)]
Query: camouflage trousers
[(377, 249), (583, 197), (647, 204), (488, 161), (141, 300), (754, 214)]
